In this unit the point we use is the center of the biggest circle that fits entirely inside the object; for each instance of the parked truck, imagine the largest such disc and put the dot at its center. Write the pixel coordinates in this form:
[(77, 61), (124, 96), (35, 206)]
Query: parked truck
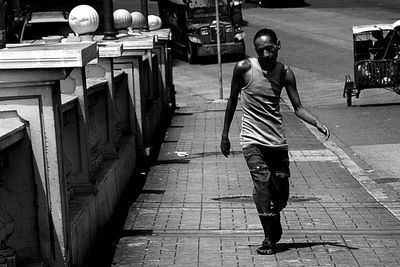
[(194, 27)]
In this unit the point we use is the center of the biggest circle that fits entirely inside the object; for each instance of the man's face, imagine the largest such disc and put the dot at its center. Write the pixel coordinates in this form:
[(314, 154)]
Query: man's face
[(266, 49)]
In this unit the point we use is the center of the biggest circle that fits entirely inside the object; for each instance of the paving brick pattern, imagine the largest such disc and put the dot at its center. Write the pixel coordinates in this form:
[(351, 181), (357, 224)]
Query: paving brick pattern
[(196, 208)]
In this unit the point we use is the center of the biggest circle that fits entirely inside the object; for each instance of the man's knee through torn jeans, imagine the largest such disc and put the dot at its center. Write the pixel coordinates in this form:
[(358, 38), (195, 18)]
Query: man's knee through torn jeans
[(270, 173)]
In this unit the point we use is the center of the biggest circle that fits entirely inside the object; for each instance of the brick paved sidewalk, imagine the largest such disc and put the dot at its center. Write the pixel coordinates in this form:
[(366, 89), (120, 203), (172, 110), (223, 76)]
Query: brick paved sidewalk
[(196, 210)]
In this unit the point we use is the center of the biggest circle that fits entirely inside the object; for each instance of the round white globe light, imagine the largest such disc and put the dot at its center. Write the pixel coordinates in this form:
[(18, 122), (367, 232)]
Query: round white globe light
[(154, 22), (83, 19), (138, 21), (122, 19)]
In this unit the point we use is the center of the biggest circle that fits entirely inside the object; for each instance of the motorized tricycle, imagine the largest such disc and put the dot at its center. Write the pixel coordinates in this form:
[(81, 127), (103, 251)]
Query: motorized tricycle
[(376, 60)]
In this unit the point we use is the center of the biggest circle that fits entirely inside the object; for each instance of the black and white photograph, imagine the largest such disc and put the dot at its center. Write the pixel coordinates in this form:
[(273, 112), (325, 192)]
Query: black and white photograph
[(199, 133)]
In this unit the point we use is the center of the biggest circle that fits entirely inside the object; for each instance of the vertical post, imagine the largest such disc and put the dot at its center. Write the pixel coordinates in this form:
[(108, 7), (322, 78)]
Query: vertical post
[(109, 31), (145, 12), (221, 91)]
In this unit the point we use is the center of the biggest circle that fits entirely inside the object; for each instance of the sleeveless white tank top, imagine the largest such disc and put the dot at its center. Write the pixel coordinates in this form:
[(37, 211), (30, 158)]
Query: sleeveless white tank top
[(262, 121)]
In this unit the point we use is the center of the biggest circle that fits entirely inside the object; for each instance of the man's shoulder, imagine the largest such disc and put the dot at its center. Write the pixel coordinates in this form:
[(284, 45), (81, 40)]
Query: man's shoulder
[(283, 67), (282, 64), (243, 65)]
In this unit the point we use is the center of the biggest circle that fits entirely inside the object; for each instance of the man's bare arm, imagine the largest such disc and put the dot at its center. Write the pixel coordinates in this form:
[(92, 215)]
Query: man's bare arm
[(238, 81), (299, 110)]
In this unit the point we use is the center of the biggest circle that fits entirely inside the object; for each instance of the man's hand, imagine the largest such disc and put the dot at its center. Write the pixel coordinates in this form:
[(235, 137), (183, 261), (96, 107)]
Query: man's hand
[(225, 146), (325, 130)]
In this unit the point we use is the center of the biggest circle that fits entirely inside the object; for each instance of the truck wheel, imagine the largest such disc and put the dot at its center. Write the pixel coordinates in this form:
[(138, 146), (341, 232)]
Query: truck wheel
[(191, 53), (349, 94)]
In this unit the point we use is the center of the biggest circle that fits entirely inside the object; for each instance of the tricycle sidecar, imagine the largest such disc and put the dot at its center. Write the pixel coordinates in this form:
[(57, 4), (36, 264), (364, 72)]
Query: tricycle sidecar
[(376, 60)]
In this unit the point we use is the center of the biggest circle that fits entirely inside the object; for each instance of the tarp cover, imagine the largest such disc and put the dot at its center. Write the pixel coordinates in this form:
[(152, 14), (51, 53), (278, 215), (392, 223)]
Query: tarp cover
[(370, 28)]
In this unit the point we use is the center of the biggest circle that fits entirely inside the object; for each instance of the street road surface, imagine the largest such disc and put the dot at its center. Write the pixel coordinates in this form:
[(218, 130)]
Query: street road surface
[(317, 42)]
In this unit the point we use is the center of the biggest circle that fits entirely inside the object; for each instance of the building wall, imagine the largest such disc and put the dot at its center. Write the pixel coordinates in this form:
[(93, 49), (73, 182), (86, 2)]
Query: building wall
[(18, 197)]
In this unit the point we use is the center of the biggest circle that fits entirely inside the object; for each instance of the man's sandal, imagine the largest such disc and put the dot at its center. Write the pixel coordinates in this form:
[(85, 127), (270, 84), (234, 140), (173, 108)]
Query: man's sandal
[(266, 249)]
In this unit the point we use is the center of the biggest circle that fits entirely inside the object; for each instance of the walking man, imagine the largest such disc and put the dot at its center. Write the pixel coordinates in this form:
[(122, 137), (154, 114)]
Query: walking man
[(259, 81)]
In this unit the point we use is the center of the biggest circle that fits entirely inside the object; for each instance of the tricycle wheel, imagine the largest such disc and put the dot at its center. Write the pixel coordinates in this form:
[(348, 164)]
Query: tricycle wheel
[(349, 94), (348, 89)]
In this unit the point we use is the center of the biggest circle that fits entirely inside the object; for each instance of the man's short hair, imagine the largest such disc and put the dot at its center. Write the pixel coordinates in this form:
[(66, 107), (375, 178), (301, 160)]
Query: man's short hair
[(266, 32)]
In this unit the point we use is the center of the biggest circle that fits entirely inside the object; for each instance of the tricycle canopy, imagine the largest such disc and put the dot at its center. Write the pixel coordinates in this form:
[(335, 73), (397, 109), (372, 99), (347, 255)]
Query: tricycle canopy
[(371, 28)]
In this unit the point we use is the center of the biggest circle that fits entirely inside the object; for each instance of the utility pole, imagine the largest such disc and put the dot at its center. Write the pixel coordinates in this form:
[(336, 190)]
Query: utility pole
[(2, 23), (221, 90)]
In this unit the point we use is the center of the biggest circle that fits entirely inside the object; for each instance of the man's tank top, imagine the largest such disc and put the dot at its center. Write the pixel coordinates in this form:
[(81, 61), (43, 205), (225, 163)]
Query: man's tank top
[(262, 122)]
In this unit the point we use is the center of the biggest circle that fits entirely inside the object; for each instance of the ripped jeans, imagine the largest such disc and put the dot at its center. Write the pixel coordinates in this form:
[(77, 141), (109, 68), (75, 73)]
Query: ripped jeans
[(269, 169)]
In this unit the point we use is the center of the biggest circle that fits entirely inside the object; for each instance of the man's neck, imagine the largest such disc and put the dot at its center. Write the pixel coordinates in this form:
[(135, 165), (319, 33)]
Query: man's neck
[(266, 66)]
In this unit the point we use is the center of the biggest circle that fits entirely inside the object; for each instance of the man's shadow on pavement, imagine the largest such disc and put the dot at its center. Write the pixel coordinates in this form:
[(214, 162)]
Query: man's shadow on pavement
[(281, 247), (186, 159), (213, 153)]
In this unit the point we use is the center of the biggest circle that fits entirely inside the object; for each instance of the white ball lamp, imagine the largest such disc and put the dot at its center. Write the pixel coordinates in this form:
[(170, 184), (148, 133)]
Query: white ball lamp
[(138, 21), (84, 21), (122, 20), (154, 22)]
